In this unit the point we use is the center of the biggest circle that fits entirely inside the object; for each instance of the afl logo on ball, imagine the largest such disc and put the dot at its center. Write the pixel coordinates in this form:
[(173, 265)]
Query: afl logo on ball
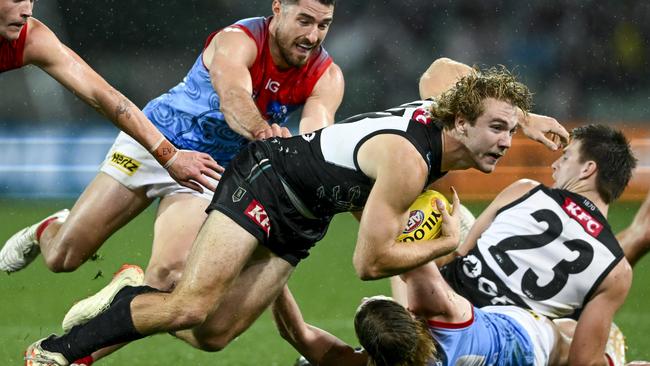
[(415, 220)]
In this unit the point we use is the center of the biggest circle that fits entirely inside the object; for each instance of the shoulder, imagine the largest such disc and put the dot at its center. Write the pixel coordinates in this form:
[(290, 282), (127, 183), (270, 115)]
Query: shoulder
[(331, 78), (515, 191), (40, 44)]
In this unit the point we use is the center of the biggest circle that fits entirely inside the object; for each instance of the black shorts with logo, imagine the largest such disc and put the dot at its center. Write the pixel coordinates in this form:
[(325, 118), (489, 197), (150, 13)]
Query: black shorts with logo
[(252, 194)]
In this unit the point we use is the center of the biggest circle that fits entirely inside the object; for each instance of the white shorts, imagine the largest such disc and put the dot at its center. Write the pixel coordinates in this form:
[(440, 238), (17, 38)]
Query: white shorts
[(539, 329), (134, 167)]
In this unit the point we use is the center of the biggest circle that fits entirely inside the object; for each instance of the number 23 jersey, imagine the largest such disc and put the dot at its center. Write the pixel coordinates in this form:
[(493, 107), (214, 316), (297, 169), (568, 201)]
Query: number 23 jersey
[(547, 251)]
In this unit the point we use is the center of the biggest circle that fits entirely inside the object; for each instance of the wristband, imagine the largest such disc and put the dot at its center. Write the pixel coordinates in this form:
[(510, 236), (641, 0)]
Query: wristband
[(164, 152)]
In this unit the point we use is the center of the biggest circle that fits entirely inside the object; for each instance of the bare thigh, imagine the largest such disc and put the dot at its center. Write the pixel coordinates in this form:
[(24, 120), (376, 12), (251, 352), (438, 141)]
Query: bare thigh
[(253, 291), (178, 222), (103, 208)]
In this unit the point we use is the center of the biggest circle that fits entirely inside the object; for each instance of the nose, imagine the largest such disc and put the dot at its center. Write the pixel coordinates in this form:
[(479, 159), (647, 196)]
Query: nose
[(506, 140), (26, 11), (313, 35)]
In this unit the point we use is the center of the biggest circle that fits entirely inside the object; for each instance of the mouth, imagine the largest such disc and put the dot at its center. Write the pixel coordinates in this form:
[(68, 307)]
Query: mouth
[(17, 24), (305, 48), (494, 156)]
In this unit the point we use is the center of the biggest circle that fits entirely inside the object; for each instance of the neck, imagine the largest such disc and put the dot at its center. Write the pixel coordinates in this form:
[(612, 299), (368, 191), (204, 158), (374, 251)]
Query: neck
[(584, 189), (455, 155)]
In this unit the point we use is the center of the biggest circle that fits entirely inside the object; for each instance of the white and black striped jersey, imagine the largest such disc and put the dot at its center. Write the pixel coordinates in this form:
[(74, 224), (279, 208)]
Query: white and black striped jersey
[(547, 251), (320, 169)]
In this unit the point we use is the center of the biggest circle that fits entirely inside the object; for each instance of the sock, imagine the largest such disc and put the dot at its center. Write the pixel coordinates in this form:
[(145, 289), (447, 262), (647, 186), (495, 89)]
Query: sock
[(43, 226), (114, 326), (86, 361)]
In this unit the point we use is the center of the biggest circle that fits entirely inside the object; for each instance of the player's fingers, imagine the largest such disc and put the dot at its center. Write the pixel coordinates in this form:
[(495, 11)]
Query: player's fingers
[(214, 166), (547, 142), (455, 202), (285, 132), (206, 183)]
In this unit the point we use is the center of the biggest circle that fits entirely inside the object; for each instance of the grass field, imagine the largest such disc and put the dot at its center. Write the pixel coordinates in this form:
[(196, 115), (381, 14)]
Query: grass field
[(34, 301)]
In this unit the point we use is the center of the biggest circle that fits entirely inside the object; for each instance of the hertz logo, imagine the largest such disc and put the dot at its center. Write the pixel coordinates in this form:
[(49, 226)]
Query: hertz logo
[(124, 163)]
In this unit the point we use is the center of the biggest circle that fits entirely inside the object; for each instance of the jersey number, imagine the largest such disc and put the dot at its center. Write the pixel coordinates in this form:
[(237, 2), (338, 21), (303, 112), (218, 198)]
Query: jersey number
[(561, 271)]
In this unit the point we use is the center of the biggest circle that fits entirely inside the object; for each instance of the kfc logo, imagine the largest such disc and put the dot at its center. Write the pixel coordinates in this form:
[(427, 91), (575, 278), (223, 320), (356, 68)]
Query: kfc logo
[(590, 224), (258, 214), (422, 115)]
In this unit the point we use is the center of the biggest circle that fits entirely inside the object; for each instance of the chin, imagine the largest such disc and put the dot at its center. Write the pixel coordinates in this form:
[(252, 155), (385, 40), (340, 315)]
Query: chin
[(486, 168)]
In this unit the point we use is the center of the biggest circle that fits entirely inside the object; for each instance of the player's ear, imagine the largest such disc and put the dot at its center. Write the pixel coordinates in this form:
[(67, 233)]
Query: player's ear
[(460, 123), (588, 169), (276, 7)]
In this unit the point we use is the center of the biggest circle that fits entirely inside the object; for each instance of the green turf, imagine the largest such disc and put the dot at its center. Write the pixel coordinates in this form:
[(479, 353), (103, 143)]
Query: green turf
[(34, 301)]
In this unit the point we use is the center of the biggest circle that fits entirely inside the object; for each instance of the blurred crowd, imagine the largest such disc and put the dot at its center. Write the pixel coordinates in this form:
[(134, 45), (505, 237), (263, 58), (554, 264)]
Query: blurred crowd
[(584, 59)]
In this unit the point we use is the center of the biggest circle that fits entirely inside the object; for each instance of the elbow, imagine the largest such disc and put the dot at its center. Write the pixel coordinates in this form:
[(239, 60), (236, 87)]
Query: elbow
[(367, 269)]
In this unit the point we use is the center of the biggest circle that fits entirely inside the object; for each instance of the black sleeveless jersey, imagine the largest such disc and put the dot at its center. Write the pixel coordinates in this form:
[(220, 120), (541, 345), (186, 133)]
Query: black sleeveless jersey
[(320, 169)]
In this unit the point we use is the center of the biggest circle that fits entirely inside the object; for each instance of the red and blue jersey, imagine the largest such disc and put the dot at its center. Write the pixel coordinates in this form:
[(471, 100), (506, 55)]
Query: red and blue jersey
[(190, 113), (11, 52)]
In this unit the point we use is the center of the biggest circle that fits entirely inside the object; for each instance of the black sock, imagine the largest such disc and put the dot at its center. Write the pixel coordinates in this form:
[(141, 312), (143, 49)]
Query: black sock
[(113, 326)]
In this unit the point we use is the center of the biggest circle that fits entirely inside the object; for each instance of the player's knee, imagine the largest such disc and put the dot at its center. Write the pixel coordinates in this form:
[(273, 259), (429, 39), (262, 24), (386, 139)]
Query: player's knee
[(213, 343), (163, 277), (62, 261)]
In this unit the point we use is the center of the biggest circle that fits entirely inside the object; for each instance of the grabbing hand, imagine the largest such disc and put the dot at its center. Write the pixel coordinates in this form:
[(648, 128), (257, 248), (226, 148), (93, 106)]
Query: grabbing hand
[(450, 222), (273, 130), (537, 127), (191, 169)]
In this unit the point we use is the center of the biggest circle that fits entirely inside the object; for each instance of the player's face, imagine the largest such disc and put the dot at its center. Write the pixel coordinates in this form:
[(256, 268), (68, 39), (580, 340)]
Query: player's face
[(491, 136), (13, 16), (301, 28), (566, 169)]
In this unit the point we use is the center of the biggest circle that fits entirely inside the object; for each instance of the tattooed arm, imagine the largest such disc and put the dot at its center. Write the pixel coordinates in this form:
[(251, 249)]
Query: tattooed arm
[(43, 49)]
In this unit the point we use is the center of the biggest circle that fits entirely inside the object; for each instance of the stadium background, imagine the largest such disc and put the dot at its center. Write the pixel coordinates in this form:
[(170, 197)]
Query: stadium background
[(584, 60)]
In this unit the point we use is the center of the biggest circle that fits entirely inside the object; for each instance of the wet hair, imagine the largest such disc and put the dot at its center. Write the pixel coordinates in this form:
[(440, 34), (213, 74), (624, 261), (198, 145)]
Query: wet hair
[(391, 336), (611, 152), (294, 2), (466, 97)]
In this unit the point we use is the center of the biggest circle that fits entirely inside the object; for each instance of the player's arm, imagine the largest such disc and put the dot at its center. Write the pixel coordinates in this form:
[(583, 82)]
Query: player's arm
[(43, 49), (229, 56), (324, 100), (592, 330), (429, 296), (505, 197), (317, 345), (441, 76), (388, 159)]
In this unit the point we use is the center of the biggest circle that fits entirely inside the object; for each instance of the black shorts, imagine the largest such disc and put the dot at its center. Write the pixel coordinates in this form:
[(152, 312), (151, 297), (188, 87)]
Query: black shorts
[(252, 194)]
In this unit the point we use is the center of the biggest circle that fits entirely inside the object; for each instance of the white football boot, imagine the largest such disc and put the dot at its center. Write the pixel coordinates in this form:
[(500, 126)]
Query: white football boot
[(90, 307), (615, 347), (37, 356), (22, 248)]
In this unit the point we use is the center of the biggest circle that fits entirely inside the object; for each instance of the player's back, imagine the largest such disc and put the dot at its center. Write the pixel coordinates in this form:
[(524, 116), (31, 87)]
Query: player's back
[(322, 168), (547, 251)]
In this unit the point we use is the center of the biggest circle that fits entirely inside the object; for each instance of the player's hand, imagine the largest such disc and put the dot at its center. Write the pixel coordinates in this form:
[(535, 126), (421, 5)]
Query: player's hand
[(450, 222), (544, 129), (191, 169), (273, 130)]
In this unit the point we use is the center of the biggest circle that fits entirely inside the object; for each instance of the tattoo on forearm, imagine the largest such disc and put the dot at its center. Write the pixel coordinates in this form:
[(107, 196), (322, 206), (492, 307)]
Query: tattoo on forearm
[(123, 107)]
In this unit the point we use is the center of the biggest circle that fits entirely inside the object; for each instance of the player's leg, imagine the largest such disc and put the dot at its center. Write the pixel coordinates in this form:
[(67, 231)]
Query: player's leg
[(178, 221), (103, 208), (218, 255), (255, 288), (635, 239)]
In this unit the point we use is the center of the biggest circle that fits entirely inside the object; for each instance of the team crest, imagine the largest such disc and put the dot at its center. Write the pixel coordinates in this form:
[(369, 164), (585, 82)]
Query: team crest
[(239, 193), (422, 115)]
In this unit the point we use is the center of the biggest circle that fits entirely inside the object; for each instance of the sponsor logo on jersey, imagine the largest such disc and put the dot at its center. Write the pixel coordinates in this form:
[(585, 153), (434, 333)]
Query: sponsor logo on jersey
[(272, 85), (422, 115), (258, 214), (124, 163), (239, 193), (591, 225)]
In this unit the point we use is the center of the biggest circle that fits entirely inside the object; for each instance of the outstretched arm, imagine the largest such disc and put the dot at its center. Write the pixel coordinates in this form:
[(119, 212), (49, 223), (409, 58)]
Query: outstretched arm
[(228, 57), (317, 345), (43, 49), (324, 100), (443, 74)]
